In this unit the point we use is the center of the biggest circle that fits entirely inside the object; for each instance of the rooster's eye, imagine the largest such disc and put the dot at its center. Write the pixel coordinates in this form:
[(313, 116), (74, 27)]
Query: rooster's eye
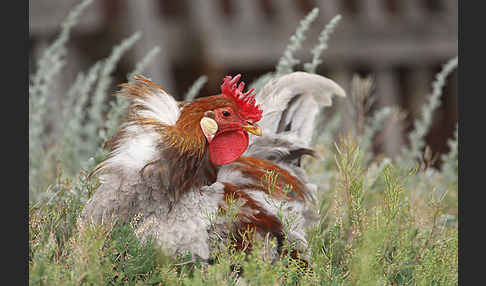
[(226, 113)]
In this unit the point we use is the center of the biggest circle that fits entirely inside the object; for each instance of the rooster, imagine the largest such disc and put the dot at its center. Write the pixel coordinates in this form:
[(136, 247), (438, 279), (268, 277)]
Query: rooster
[(173, 164)]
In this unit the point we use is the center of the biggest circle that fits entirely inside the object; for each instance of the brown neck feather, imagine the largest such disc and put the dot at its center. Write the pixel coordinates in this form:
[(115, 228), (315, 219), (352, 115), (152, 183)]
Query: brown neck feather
[(184, 162), (186, 135), (185, 172)]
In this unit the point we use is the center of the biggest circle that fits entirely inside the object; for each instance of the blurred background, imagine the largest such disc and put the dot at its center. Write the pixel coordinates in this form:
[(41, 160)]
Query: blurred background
[(403, 44)]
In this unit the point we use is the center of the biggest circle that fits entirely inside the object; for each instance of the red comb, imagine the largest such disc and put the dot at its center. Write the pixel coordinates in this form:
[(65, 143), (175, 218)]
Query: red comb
[(245, 101)]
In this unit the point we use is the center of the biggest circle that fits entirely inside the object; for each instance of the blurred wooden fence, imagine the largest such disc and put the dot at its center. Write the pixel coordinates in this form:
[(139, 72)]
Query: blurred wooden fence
[(403, 43)]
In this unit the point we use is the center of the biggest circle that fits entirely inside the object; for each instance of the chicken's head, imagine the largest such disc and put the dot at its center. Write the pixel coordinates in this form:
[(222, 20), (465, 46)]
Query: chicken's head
[(226, 127)]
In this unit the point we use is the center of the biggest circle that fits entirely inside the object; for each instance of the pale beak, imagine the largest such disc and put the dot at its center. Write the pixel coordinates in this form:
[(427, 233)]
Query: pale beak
[(253, 129)]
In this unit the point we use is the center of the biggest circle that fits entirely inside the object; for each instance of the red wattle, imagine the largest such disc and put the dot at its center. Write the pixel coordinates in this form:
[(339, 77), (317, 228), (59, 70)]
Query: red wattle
[(227, 147)]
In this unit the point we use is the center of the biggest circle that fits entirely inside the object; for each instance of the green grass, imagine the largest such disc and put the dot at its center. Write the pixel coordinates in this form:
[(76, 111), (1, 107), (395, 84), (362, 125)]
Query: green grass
[(382, 221), (386, 234)]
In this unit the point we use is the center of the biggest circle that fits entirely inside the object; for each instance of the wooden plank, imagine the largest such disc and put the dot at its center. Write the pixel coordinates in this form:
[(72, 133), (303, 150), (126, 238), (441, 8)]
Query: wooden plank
[(373, 13), (387, 92), (342, 76), (45, 16), (247, 15), (405, 50), (328, 8), (143, 16), (450, 13), (413, 11), (419, 83)]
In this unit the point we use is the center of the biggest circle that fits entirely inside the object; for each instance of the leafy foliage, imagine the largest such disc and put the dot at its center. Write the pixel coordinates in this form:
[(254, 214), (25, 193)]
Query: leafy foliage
[(76, 135), (288, 61), (318, 50)]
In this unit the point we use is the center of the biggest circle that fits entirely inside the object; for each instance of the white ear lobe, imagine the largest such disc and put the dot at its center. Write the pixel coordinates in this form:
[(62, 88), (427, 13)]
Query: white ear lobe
[(209, 126)]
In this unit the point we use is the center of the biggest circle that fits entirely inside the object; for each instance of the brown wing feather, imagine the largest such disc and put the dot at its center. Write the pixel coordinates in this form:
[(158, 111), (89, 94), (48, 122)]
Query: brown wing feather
[(256, 169), (253, 216)]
